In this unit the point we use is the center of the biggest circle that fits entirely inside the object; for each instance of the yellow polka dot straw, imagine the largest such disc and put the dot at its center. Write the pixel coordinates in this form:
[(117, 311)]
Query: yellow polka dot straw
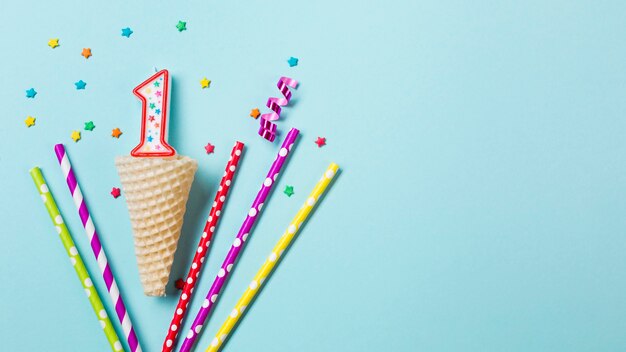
[(75, 259), (272, 259)]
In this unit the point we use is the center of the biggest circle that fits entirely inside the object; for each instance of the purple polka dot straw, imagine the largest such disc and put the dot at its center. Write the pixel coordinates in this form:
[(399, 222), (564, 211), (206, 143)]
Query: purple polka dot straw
[(239, 242)]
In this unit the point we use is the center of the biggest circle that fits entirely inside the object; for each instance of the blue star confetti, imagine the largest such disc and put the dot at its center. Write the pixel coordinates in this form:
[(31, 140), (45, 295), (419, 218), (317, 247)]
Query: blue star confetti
[(80, 84), (30, 93), (293, 61), (126, 32)]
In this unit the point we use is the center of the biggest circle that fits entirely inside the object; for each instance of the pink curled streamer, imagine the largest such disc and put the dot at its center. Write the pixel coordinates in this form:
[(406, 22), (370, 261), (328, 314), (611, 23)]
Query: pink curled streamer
[(267, 128)]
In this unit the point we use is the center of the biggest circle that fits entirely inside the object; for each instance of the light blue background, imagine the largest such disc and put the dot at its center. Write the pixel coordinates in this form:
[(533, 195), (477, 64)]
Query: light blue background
[(481, 203)]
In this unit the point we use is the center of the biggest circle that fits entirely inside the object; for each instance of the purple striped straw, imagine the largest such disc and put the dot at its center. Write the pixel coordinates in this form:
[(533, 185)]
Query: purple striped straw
[(96, 246), (239, 241)]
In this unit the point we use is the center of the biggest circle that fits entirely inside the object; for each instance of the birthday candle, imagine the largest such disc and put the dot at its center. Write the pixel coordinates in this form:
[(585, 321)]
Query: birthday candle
[(154, 96)]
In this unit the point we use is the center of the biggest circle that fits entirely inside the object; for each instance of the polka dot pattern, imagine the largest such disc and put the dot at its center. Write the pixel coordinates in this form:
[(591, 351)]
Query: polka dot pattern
[(283, 243), (236, 248), (203, 245), (77, 263)]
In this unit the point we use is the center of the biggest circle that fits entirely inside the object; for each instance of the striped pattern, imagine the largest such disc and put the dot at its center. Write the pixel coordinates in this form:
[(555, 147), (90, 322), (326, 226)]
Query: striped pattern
[(96, 247), (76, 259)]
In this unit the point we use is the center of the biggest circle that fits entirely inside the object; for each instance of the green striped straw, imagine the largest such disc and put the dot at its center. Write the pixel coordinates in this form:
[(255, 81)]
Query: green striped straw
[(75, 258)]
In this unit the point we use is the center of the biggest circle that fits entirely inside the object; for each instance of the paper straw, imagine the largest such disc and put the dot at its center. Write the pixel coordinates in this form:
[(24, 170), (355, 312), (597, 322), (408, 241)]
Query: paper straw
[(203, 248), (271, 261), (76, 259), (239, 241), (97, 248)]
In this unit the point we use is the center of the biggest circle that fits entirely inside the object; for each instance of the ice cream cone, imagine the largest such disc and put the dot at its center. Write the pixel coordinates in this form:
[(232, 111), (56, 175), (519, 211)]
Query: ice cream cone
[(156, 191)]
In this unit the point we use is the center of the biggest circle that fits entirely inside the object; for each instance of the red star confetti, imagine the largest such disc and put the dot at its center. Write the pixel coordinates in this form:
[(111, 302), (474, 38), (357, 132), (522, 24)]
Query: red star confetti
[(321, 141), (180, 284), (209, 148), (115, 192)]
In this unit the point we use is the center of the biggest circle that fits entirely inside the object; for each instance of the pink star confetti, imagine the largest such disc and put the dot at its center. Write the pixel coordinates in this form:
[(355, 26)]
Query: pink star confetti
[(209, 148), (115, 192), (321, 141)]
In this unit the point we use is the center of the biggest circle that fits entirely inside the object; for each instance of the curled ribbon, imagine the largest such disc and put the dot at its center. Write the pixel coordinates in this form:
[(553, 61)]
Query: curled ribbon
[(267, 129)]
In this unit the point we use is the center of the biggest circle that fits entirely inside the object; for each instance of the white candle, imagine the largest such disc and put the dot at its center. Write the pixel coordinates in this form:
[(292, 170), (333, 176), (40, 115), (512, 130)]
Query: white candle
[(154, 96)]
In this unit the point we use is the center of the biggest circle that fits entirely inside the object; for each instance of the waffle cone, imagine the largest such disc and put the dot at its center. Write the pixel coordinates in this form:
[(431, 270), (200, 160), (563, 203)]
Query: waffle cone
[(156, 191)]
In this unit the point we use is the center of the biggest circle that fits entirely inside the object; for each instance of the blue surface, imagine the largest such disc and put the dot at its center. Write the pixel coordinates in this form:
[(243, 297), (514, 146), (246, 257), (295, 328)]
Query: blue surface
[(481, 203)]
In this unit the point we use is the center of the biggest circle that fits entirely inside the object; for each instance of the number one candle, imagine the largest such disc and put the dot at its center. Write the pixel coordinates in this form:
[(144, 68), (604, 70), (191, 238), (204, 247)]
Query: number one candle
[(154, 96), (156, 183)]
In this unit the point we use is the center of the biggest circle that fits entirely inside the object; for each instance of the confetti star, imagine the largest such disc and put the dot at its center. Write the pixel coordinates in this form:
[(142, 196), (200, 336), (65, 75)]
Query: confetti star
[(75, 136), (156, 83), (293, 61), (152, 106), (116, 133), (80, 84), (53, 43), (126, 32), (151, 118), (30, 121), (158, 93), (321, 141), (181, 26), (288, 191), (149, 139), (157, 111), (89, 126), (115, 192), (30, 93), (255, 113), (204, 83), (180, 284), (86, 52), (209, 148)]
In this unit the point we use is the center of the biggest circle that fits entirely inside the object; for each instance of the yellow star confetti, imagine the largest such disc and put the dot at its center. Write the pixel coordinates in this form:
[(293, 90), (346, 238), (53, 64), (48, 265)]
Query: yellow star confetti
[(53, 43), (205, 83), (30, 121), (75, 136)]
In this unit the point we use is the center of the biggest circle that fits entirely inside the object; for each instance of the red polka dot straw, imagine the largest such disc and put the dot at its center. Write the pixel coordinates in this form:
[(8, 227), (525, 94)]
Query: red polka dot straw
[(203, 246), (237, 247)]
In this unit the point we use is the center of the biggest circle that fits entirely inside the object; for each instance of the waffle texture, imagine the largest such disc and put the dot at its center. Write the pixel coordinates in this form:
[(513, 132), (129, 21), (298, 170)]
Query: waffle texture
[(156, 191)]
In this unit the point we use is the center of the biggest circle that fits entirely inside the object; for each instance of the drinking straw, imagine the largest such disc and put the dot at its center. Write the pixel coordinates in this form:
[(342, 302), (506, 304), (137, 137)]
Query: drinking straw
[(203, 247), (97, 248), (272, 260), (75, 258), (239, 241)]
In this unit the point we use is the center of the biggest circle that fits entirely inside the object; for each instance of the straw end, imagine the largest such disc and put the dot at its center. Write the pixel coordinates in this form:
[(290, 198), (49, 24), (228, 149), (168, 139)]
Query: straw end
[(59, 147)]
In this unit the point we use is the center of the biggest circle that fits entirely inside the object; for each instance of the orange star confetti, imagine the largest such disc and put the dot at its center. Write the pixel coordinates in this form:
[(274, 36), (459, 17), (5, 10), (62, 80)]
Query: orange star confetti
[(255, 113), (116, 132), (86, 52)]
